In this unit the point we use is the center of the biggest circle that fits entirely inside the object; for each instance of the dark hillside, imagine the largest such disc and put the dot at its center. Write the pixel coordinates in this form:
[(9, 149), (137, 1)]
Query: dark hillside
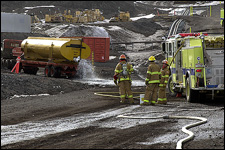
[(109, 8)]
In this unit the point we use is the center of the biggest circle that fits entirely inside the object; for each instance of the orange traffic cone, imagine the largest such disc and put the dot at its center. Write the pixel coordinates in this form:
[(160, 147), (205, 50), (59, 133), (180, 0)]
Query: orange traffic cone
[(17, 65)]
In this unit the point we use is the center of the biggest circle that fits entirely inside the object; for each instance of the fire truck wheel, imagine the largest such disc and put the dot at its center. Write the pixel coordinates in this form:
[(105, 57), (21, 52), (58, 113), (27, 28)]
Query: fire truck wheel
[(191, 95), (171, 87)]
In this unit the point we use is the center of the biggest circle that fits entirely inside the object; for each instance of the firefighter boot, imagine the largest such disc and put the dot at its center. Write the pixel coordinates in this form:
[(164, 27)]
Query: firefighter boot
[(152, 103), (145, 104)]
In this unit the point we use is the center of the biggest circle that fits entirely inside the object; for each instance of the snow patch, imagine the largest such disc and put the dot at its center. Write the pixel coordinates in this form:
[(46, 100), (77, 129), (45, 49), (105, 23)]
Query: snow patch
[(165, 9), (38, 7), (147, 16), (17, 96), (115, 28), (112, 57)]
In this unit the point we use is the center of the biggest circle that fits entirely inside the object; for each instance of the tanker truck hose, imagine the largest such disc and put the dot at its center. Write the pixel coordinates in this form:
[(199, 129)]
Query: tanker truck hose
[(184, 129)]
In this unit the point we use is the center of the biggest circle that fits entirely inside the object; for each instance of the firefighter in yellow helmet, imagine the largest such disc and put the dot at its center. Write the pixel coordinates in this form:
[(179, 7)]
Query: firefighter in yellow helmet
[(165, 72), (122, 78), (152, 82)]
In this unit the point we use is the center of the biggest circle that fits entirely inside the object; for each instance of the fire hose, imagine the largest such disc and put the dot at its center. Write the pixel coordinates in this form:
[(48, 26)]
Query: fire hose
[(106, 94), (184, 129)]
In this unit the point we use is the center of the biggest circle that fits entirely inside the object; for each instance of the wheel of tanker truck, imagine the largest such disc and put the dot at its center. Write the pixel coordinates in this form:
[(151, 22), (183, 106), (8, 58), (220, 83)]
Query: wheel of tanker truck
[(72, 73), (171, 87), (56, 71)]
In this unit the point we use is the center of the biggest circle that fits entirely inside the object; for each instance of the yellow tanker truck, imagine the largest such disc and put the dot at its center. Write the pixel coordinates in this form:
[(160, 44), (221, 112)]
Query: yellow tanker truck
[(59, 56)]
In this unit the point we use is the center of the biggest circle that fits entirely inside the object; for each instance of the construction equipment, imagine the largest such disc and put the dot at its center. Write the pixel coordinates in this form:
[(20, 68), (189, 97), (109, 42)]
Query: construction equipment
[(79, 17), (196, 65), (67, 16), (121, 17), (34, 19), (56, 18), (59, 56), (89, 16)]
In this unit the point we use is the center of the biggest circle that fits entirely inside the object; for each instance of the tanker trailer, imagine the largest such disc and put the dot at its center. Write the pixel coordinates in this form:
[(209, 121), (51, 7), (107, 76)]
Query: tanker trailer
[(58, 56)]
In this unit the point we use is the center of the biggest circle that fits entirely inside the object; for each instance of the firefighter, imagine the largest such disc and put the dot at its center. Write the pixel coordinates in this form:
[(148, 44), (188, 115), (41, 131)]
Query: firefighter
[(165, 72), (152, 82), (123, 80)]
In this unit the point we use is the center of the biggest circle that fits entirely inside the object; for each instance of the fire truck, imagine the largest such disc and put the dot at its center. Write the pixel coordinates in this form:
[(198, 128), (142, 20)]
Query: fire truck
[(196, 62), (222, 17)]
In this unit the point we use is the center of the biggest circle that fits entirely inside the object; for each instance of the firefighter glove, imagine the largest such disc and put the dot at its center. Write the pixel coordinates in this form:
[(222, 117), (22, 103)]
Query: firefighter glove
[(115, 77)]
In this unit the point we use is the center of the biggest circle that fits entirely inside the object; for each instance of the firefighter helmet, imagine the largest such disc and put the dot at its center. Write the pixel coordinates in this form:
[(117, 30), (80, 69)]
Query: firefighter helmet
[(122, 57), (151, 58), (165, 62)]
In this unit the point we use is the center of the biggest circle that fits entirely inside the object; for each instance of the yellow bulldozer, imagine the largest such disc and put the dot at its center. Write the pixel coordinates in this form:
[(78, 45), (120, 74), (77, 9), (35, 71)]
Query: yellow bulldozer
[(79, 17), (121, 17), (56, 18)]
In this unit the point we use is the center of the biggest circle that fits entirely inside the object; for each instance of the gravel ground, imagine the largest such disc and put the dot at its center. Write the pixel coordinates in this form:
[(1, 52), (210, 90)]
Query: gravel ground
[(73, 117)]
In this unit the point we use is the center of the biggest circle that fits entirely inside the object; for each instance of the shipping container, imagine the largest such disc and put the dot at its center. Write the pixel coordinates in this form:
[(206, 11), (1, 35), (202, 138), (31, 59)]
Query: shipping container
[(99, 45)]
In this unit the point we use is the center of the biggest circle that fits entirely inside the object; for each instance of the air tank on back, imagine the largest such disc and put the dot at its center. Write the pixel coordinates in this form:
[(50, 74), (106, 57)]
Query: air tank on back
[(57, 50)]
